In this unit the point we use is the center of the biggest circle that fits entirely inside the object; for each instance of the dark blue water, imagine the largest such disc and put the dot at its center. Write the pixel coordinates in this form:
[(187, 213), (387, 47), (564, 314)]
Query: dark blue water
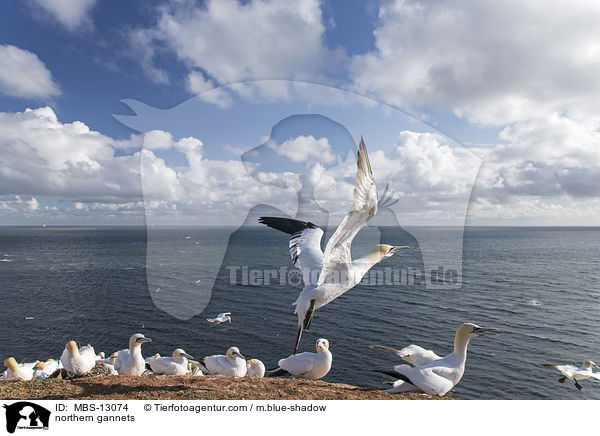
[(539, 285)]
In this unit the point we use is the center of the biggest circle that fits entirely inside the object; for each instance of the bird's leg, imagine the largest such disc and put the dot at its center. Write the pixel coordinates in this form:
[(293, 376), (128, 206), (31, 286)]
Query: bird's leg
[(309, 316), (562, 379), (298, 336), (577, 385)]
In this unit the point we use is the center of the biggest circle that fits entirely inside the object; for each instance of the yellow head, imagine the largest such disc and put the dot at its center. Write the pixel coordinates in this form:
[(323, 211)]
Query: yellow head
[(40, 365), (383, 251), (11, 364), (234, 352), (72, 348), (322, 345), (181, 353)]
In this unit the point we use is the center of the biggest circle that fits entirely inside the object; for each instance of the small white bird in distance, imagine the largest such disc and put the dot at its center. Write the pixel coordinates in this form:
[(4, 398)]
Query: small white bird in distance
[(573, 373), (221, 317), (312, 366)]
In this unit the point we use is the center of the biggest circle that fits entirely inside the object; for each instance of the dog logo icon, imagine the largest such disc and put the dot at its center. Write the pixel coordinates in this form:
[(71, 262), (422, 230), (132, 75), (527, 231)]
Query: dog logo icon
[(26, 415)]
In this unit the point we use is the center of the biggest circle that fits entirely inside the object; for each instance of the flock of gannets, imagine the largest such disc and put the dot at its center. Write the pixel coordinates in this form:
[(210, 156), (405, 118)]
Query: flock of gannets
[(326, 275)]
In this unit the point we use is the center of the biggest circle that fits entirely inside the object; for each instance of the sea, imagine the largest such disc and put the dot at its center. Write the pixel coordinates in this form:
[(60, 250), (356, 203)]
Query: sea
[(99, 285)]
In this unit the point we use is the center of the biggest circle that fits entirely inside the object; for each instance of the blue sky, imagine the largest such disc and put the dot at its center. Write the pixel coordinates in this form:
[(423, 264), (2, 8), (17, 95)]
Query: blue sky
[(515, 85)]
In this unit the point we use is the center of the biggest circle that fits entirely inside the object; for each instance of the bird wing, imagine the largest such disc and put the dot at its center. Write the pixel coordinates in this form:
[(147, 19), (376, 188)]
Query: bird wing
[(161, 365), (595, 375), (567, 370), (418, 356), (338, 258), (88, 352), (298, 364), (216, 363), (122, 357), (304, 245), (212, 319), (224, 314), (426, 379)]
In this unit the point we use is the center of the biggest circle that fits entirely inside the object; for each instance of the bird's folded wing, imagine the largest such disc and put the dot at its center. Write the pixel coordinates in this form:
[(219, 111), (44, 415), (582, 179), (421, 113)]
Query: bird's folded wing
[(304, 245), (297, 365), (337, 259), (426, 379)]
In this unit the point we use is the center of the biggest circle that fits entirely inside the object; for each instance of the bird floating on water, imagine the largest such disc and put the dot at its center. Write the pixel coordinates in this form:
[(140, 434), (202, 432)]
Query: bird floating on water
[(573, 373), (220, 318), (130, 361), (177, 364), (438, 376), (232, 364), (78, 361), (328, 275), (312, 366), (255, 368)]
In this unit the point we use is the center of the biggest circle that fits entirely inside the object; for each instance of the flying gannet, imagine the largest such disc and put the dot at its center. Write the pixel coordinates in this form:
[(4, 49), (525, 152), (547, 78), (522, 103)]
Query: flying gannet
[(573, 373), (437, 377), (232, 364), (306, 365), (130, 361), (413, 354), (328, 275), (255, 368), (177, 364), (78, 361), (222, 317), (15, 371)]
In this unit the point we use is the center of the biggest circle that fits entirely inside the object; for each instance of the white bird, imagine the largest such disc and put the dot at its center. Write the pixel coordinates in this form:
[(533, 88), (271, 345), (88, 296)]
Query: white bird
[(194, 369), (438, 376), (43, 370), (177, 364), (130, 361), (78, 361), (221, 317), (232, 364), (573, 373), (151, 358), (255, 368), (307, 365), (413, 354), (328, 275), (15, 371)]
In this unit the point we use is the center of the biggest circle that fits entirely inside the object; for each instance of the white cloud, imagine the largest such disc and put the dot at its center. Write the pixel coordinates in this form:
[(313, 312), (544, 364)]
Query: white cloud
[(491, 62), (198, 84), (23, 74), (233, 41), (72, 14), (305, 149)]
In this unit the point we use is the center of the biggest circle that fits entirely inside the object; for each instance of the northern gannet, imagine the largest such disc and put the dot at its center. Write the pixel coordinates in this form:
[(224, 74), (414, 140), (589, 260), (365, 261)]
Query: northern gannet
[(194, 369), (413, 354), (15, 371), (100, 356), (131, 362), (43, 370), (221, 317), (573, 373), (438, 376), (110, 363), (255, 368), (78, 361), (232, 364), (328, 275), (306, 365), (151, 358), (177, 364)]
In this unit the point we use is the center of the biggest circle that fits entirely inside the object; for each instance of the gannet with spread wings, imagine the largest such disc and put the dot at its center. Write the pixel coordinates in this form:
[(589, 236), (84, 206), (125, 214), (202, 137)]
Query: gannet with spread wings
[(328, 275)]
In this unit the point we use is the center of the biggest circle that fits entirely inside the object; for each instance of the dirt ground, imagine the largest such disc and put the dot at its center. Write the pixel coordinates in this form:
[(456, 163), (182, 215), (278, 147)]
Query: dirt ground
[(192, 388)]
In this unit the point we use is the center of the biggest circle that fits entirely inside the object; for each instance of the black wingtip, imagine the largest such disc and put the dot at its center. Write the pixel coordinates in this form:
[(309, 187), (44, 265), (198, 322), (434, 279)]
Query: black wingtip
[(286, 225), (277, 372), (148, 367)]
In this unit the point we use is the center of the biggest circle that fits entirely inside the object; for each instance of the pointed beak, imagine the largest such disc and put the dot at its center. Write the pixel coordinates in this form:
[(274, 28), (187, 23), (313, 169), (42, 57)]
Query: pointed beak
[(398, 248), (239, 355), (186, 355), (143, 340), (486, 331)]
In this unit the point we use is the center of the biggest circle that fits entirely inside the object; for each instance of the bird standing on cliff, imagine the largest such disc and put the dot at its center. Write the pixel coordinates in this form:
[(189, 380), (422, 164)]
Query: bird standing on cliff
[(328, 275), (130, 361), (438, 376)]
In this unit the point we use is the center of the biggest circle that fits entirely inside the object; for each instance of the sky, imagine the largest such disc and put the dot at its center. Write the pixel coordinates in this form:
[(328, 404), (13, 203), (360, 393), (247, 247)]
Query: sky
[(192, 112)]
